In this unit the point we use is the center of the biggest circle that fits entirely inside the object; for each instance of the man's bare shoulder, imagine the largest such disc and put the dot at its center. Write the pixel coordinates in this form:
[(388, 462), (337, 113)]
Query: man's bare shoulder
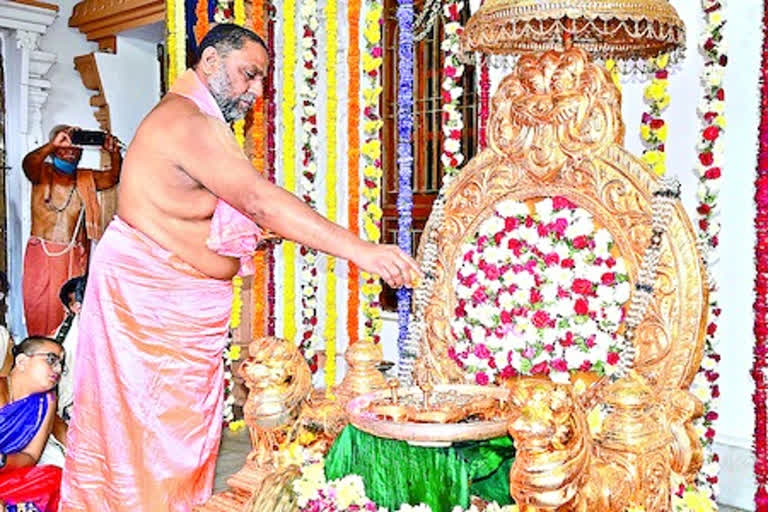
[(174, 117)]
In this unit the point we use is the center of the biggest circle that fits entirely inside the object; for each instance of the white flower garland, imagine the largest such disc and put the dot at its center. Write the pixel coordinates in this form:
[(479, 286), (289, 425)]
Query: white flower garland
[(453, 71), (310, 341)]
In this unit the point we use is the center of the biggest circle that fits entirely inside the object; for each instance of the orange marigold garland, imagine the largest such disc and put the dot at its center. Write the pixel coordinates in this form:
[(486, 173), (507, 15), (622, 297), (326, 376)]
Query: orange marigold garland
[(353, 163)]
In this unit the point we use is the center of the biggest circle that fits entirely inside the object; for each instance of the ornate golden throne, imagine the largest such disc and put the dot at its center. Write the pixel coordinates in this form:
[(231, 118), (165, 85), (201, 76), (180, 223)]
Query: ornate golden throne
[(556, 132)]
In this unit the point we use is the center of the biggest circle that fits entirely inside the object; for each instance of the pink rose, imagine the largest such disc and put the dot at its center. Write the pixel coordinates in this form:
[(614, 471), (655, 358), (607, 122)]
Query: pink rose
[(608, 278), (580, 242), (482, 351), (552, 259), (481, 378), (510, 223), (540, 319), (508, 372), (568, 340), (559, 365), (492, 272), (479, 296), (540, 369), (560, 203), (559, 226), (535, 296), (506, 317), (613, 358)]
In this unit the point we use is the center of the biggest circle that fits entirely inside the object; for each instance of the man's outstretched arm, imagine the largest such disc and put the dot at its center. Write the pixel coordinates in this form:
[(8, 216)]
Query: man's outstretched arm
[(214, 159)]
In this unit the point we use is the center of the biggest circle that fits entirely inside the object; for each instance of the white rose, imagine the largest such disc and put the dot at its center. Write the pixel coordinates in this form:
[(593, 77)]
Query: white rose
[(549, 292), (510, 208), (544, 210), (622, 292), (582, 226), (620, 267), (521, 296), (492, 226), (593, 273), (452, 145), (560, 377), (524, 280), (529, 235), (564, 307), (545, 245), (613, 315), (562, 251)]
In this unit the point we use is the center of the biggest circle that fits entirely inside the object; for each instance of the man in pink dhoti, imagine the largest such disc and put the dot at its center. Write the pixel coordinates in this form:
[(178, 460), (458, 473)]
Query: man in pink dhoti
[(148, 388)]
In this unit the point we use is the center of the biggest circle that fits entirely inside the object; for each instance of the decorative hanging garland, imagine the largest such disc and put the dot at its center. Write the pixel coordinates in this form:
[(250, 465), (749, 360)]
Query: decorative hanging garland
[(653, 129), (371, 156), (201, 24), (760, 357), (287, 118), (331, 200), (406, 354), (269, 91), (353, 164), (453, 72), (485, 98), (310, 341), (223, 12), (175, 27), (711, 151), (259, 161)]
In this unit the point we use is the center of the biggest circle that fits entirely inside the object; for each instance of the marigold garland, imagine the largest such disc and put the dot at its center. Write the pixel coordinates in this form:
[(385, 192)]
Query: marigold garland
[(760, 357), (175, 26), (239, 12), (310, 341), (453, 71), (329, 333), (201, 23), (710, 160), (353, 164), (653, 129), (371, 156), (289, 161), (258, 159)]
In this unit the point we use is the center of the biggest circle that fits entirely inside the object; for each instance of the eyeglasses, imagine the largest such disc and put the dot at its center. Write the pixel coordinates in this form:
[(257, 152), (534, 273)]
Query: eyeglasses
[(54, 361)]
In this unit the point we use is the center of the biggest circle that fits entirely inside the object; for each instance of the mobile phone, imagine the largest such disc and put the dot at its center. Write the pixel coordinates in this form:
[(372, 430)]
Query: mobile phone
[(88, 138)]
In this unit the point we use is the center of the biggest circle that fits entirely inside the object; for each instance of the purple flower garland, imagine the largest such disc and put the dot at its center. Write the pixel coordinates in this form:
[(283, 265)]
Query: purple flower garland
[(405, 167)]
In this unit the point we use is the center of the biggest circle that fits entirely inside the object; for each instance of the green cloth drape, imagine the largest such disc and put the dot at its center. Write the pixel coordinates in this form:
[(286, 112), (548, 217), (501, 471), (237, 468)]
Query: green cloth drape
[(395, 472)]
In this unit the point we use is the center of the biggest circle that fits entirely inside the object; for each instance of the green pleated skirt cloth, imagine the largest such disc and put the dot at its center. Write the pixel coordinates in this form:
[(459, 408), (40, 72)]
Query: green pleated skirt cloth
[(395, 472)]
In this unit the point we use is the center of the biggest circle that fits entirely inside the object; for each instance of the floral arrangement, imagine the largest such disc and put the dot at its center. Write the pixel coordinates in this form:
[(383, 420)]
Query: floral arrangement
[(331, 180), (316, 494), (760, 357), (353, 164), (270, 93), (453, 71), (224, 11), (540, 290), (653, 129), (288, 161), (711, 151), (309, 341), (371, 158), (259, 162), (231, 354), (405, 19)]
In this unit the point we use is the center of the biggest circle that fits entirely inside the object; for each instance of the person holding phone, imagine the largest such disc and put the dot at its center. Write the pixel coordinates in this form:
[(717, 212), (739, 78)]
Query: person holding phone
[(65, 217)]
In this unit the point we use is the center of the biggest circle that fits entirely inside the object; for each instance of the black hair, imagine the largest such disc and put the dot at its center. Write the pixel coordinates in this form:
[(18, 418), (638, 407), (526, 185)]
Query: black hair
[(226, 37), (76, 285), (4, 285), (30, 344)]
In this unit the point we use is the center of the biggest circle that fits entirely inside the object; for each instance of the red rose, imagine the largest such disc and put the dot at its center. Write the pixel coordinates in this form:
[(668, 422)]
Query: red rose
[(560, 203), (510, 223), (581, 307), (662, 74), (610, 262), (568, 340), (508, 372), (706, 158), (713, 173), (656, 124), (540, 368), (613, 358), (711, 329), (582, 286), (551, 259), (567, 263), (559, 365), (703, 209), (711, 133), (720, 94), (540, 319), (506, 317), (580, 242), (608, 278)]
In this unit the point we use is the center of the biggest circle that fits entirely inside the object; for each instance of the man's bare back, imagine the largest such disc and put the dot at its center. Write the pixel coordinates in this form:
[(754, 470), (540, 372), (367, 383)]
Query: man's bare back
[(159, 198)]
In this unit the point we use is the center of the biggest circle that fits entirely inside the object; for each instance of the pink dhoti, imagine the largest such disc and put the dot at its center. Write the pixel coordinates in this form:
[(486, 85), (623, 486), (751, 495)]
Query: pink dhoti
[(149, 383)]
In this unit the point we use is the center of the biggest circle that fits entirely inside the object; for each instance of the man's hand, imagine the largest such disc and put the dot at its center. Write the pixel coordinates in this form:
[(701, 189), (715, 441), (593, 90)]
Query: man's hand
[(392, 264), (63, 139), (111, 144)]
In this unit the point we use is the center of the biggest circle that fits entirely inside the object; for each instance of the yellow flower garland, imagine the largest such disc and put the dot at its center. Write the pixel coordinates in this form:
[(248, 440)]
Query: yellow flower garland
[(613, 70), (372, 172), (174, 19), (288, 107), (239, 12), (331, 200), (653, 129)]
